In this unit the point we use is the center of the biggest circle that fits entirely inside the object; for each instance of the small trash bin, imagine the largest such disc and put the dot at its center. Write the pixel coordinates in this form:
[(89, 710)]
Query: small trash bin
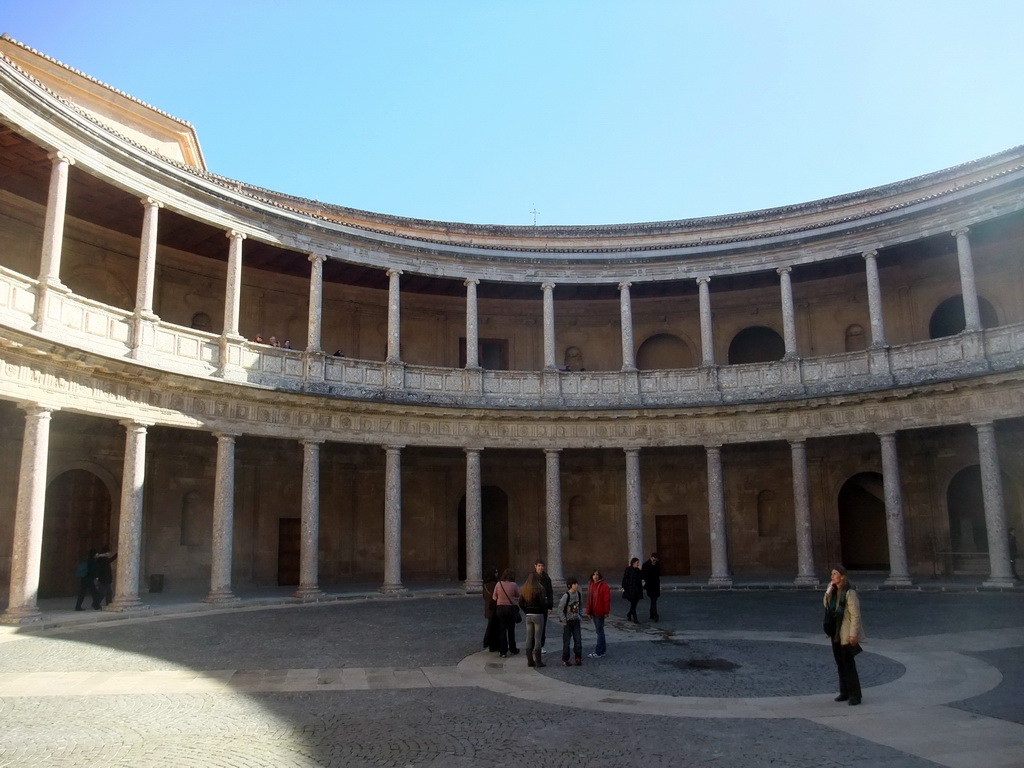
[(156, 582)]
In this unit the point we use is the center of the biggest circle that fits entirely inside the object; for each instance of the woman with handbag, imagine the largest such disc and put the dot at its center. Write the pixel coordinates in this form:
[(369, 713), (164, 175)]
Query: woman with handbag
[(506, 598), (843, 626)]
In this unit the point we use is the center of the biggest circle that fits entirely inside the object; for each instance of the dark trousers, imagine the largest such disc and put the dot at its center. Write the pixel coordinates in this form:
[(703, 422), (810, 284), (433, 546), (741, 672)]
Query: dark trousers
[(106, 592), (571, 631), (846, 665), (654, 606), (506, 629), (632, 609), (87, 586)]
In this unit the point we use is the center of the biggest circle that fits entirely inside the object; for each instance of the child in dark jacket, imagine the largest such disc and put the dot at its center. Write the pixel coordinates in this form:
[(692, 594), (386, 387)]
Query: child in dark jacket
[(570, 611)]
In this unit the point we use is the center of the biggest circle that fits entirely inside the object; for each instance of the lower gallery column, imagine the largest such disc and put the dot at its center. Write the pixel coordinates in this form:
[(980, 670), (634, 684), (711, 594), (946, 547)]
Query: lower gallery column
[(899, 573), (634, 506), (392, 520), (805, 576), (553, 508), (1000, 573), (309, 552), (27, 547), (129, 536), (716, 518), (474, 524), (223, 521)]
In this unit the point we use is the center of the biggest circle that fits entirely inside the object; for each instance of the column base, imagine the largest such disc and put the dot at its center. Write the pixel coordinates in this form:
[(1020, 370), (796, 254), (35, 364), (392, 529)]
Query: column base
[(1000, 581), (473, 587), (720, 581), (221, 596), (806, 581), (393, 589), (121, 605), (308, 593), (25, 615), (898, 581)]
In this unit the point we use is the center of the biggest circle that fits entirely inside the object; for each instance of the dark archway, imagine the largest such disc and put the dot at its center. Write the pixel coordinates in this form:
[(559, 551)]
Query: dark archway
[(756, 344), (966, 508), (663, 351), (494, 551), (948, 318), (76, 519), (863, 538)]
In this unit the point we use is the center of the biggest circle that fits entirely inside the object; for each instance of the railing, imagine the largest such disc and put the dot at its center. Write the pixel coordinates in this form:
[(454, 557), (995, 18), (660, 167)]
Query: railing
[(94, 327)]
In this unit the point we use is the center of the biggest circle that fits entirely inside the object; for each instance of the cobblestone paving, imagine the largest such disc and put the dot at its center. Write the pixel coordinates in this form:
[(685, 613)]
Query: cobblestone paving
[(471, 726)]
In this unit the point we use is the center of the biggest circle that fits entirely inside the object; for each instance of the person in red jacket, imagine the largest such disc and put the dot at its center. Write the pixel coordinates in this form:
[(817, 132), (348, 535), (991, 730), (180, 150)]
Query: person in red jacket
[(599, 605)]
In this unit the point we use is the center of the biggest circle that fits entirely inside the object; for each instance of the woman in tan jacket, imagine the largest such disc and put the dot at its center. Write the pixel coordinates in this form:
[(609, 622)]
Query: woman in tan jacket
[(842, 607)]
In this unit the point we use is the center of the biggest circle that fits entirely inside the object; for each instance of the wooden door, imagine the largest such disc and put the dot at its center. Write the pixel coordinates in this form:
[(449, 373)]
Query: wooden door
[(672, 537), (289, 550)]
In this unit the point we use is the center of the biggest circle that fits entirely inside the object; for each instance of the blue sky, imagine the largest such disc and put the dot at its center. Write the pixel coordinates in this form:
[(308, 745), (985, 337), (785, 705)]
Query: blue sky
[(585, 112)]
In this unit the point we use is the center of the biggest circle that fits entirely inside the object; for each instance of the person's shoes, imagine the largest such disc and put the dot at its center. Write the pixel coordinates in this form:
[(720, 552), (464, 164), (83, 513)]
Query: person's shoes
[(579, 662), (855, 701), (594, 655), (538, 661), (529, 659), (565, 663), (503, 655), (79, 609), (842, 697), (655, 618), (514, 651)]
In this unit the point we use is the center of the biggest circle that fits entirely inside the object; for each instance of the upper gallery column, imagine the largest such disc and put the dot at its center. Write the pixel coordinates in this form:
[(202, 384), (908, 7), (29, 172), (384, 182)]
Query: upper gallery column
[(233, 290), (129, 537), (626, 321), (394, 316), (634, 505), (968, 289), (805, 576), (392, 519), (53, 226), (147, 274), (899, 572), (875, 300), (223, 521), (553, 505), (472, 325), (474, 522), (716, 518), (788, 313), (316, 302), (309, 549), (27, 546), (1000, 572), (707, 343), (549, 325)]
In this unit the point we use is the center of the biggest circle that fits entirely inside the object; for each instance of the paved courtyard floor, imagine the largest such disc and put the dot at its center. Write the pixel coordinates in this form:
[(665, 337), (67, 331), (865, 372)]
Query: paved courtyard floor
[(726, 678)]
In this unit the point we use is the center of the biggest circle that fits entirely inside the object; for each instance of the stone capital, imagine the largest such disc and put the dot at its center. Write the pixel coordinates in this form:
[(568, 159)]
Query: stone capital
[(61, 157), (960, 231), (149, 202), (316, 258), (870, 254), (234, 233), (547, 286)]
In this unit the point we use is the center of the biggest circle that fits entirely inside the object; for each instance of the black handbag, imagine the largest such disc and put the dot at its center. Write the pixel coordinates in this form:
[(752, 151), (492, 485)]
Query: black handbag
[(518, 614), (828, 625)]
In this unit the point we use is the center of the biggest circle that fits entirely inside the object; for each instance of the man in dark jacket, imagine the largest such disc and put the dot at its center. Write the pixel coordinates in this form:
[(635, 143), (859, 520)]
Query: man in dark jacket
[(651, 574), (549, 596), (105, 574)]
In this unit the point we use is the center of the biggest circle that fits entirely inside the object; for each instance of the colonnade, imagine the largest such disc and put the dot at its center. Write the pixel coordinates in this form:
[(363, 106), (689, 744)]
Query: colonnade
[(30, 505), (49, 280)]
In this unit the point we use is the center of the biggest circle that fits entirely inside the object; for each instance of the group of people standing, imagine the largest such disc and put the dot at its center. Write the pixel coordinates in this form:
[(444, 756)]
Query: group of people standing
[(96, 578), (636, 579)]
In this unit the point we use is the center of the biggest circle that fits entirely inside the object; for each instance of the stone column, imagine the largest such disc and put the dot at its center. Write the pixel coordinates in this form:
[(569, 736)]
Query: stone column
[(626, 321), (316, 302), (634, 506), (129, 537), (27, 547), (553, 507), (805, 576), (394, 317), (472, 325), (899, 572), (716, 515), (223, 521), (707, 344), (53, 226), (968, 289), (147, 275), (392, 520), (788, 313), (996, 528), (875, 300), (233, 291), (309, 552), (549, 326), (474, 523)]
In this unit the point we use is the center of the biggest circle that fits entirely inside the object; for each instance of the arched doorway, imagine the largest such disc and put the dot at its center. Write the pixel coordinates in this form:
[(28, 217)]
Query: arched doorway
[(663, 351), (948, 318), (862, 534), (494, 530), (756, 344), (76, 519)]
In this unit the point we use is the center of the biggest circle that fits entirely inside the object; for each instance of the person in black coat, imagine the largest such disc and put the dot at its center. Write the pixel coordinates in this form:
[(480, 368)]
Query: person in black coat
[(87, 582), (633, 588), (105, 574), (651, 574)]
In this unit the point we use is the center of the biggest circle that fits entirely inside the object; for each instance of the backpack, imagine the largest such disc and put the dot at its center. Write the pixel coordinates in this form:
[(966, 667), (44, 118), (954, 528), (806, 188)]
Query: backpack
[(82, 570)]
